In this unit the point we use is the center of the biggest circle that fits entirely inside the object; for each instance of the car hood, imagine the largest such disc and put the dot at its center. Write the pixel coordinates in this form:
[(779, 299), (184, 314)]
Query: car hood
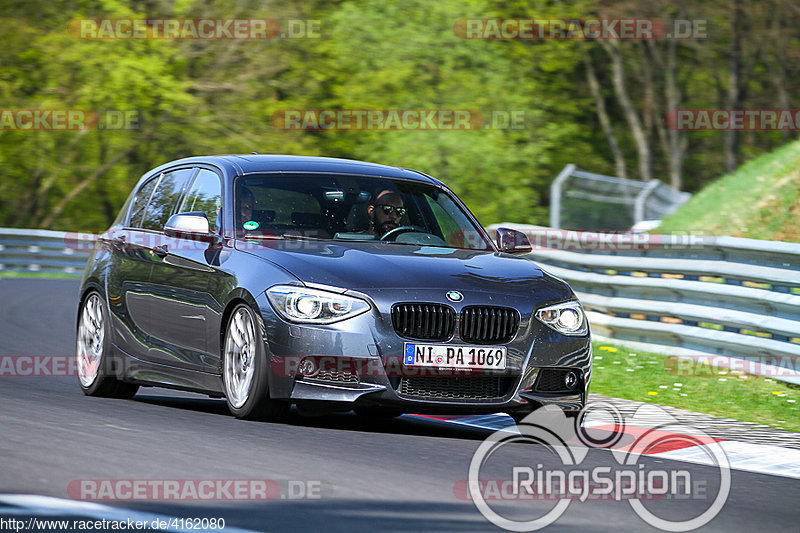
[(374, 266)]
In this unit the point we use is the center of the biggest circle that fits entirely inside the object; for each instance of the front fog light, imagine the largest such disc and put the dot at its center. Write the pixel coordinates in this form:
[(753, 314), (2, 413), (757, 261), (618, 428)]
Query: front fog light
[(307, 367), (570, 380), (566, 318)]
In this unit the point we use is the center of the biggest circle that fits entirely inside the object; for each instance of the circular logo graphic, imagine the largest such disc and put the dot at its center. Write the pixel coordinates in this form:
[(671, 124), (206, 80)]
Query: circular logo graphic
[(569, 443), (454, 296), (250, 225)]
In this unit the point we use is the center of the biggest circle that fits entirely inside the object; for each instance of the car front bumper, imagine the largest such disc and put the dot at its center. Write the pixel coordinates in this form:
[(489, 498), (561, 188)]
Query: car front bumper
[(358, 362)]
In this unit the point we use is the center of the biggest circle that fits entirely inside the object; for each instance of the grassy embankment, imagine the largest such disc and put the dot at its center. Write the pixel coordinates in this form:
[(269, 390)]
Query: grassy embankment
[(760, 200)]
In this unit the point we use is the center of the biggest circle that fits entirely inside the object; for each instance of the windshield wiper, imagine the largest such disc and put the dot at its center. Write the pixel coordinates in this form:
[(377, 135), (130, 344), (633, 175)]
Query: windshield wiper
[(405, 243), (285, 237)]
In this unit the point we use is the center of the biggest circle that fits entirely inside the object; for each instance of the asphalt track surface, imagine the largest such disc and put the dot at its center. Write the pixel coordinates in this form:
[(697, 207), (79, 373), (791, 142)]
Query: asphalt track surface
[(375, 475)]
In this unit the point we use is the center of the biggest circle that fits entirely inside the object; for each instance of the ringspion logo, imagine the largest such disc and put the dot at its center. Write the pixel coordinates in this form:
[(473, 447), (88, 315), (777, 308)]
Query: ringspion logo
[(566, 478)]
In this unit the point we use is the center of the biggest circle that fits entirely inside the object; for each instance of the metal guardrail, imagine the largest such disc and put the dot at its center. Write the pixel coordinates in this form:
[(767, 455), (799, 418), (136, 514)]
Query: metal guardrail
[(706, 295), (43, 251)]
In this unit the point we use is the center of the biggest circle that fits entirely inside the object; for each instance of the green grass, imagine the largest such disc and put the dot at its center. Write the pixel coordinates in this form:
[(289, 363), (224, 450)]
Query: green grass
[(647, 377), (760, 200)]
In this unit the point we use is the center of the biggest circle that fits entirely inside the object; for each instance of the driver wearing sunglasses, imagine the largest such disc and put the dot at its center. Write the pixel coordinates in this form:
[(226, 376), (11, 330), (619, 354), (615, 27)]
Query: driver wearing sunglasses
[(385, 212)]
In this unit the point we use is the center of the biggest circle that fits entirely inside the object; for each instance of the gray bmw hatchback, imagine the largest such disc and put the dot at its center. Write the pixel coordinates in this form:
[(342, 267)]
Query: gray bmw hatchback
[(331, 284)]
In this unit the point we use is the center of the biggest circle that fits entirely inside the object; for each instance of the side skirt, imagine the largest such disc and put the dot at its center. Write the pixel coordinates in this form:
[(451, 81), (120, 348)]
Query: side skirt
[(150, 374)]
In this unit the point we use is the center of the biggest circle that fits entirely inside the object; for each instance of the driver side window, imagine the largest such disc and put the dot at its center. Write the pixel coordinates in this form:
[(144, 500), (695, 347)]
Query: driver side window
[(205, 194)]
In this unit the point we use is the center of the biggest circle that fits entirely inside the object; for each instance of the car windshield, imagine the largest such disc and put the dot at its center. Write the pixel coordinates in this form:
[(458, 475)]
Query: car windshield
[(343, 207)]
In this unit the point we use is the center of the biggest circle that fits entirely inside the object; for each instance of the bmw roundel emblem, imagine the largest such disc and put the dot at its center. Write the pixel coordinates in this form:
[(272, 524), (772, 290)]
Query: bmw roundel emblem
[(454, 296)]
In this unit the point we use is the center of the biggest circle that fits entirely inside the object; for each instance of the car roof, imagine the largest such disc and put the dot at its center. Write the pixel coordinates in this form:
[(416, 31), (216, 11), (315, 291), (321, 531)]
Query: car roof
[(243, 164)]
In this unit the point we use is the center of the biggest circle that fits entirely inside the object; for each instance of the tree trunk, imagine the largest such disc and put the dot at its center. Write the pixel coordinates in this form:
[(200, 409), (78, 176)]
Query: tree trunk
[(673, 141), (777, 67), (733, 100), (639, 136), (602, 115)]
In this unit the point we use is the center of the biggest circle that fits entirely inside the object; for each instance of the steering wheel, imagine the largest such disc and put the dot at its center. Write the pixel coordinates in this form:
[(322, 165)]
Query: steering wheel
[(392, 234)]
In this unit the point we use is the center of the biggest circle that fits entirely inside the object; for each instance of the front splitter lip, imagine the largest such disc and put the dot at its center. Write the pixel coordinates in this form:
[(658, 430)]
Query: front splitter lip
[(379, 395), (332, 392)]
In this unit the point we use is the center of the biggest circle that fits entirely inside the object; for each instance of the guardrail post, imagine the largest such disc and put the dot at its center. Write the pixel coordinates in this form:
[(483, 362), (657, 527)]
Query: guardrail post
[(555, 196), (641, 198)]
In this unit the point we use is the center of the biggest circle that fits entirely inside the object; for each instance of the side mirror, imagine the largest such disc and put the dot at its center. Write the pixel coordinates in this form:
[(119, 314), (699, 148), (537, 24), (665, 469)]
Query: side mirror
[(193, 225), (512, 241)]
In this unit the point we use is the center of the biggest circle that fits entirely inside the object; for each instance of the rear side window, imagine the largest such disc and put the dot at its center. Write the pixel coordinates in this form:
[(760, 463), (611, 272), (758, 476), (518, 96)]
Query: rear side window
[(165, 199), (205, 195), (140, 203)]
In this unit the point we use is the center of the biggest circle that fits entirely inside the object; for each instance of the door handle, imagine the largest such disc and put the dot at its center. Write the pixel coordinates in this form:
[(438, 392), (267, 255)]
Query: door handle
[(161, 251)]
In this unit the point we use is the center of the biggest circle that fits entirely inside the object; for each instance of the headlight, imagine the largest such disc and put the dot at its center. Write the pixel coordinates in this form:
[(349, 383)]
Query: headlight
[(566, 318), (299, 304)]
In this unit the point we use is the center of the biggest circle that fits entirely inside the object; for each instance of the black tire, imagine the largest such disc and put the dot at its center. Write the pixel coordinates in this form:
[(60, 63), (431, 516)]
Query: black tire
[(92, 320), (251, 401)]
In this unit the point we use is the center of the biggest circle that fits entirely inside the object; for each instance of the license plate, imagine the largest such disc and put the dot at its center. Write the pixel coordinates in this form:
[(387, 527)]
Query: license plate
[(450, 356)]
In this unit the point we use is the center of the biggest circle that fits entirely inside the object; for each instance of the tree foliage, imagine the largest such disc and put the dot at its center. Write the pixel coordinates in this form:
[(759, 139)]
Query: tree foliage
[(197, 97)]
